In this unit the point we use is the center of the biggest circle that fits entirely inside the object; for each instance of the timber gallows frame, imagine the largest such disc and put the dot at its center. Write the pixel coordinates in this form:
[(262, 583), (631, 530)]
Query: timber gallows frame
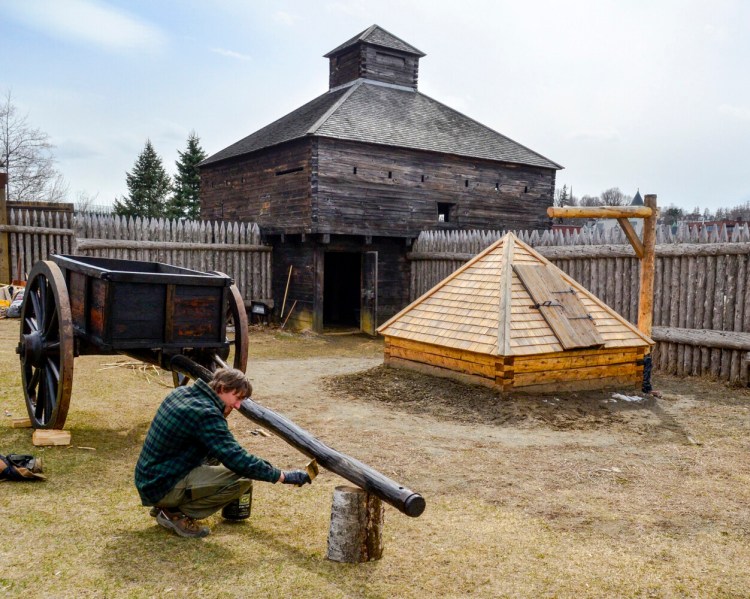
[(645, 250)]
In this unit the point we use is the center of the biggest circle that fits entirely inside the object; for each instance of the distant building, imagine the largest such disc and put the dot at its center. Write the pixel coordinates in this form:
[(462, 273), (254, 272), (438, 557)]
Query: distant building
[(342, 186)]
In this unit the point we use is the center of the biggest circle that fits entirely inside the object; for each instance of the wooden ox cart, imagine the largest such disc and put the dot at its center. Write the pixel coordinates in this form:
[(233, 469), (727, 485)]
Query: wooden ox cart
[(157, 313)]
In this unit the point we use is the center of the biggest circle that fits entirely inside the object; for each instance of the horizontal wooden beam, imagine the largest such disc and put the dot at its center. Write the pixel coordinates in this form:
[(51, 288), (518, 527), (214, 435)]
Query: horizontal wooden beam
[(571, 252), (703, 338), (130, 244), (599, 212), (37, 230)]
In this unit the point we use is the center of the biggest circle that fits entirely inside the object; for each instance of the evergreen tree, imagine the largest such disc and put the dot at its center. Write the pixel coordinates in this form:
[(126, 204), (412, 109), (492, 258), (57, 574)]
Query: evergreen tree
[(148, 184), (186, 200)]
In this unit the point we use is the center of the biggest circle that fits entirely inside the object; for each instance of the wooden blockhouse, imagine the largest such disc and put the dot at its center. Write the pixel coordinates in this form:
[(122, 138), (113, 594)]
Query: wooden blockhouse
[(510, 319), (342, 186)]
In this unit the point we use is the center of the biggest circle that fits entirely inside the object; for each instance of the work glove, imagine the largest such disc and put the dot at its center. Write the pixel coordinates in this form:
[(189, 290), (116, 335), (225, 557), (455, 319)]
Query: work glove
[(296, 477)]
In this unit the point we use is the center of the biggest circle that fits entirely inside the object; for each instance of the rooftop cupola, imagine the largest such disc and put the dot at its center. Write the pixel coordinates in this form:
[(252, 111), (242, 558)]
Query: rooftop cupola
[(376, 55)]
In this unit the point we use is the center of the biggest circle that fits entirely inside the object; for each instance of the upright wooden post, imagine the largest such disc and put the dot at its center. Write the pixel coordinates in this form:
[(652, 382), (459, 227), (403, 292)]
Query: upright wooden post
[(4, 235), (356, 532), (648, 263)]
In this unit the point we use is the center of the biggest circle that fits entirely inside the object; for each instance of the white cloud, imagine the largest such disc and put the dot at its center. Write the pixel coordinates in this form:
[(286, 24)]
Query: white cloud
[(231, 54), (738, 112), (90, 22)]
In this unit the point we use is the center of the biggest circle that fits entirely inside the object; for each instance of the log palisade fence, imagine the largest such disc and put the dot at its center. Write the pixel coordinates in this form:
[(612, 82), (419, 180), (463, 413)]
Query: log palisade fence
[(233, 248), (701, 295)]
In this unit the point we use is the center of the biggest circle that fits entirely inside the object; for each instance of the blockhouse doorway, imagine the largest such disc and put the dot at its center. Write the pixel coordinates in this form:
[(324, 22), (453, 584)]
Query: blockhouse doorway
[(342, 289)]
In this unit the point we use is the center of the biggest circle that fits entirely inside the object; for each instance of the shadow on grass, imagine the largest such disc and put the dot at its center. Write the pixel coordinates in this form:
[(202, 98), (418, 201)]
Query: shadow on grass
[(154, 557)]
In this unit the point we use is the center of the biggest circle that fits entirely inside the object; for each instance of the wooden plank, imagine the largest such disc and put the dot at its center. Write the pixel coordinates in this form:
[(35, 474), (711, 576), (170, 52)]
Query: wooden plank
[(43, 437), (547, 364), (440, 372), (560, 306), (428, 348), (20, 423), (443, 361), (574, 374), (626, 381)]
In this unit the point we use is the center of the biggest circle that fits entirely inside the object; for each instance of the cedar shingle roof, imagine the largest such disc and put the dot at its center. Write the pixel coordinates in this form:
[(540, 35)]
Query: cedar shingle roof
[(484, 307), (377, 113), (378, 37)]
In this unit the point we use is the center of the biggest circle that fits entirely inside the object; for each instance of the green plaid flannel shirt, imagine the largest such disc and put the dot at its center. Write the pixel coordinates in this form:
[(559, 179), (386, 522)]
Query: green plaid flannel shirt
[(189, 426)]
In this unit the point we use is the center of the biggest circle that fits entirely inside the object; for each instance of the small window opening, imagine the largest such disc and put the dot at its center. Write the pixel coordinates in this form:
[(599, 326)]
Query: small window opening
[(422, 178), (497, 185), (390, 174), (526, 189), (354, 170), (466, 183), (444, 210), (289, 171)]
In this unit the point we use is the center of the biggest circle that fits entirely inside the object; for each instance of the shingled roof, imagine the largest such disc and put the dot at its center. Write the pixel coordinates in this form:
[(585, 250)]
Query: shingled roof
[(372, 112), (377, 36), (486, 307)]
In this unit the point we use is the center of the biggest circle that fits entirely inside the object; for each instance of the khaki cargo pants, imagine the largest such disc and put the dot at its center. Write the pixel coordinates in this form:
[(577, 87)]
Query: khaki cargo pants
[(205, 490)]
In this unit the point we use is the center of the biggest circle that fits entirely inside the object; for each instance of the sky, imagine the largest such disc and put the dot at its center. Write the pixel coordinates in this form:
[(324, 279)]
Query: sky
[(649, 95)]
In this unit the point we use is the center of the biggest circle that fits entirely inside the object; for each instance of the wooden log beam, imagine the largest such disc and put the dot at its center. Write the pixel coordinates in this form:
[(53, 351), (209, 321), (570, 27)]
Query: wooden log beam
[(128, 244), (648, 264), (599, 212), (5, 267), (735, 340), (372, 481), (403, 499), (632, 236), (38, 230), (569, 252)]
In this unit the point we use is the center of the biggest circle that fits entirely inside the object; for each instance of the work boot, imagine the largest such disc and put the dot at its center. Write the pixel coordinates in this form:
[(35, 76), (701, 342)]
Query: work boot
[(154, 512), (183, 525)]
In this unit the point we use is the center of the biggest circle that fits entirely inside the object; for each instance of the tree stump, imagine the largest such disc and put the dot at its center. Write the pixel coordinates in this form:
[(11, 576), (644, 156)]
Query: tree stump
[(356, 528)]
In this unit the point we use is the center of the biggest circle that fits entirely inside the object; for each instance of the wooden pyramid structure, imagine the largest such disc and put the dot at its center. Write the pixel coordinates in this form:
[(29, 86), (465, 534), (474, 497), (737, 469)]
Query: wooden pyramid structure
[(511, 319)]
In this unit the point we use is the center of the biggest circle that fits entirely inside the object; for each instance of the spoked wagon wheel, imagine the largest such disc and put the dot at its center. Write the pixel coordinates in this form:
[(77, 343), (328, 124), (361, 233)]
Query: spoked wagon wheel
[(46, 346), (237, 336)]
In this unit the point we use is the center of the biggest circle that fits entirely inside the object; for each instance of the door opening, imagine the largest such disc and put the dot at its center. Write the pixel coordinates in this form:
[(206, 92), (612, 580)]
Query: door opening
[(341, 289)]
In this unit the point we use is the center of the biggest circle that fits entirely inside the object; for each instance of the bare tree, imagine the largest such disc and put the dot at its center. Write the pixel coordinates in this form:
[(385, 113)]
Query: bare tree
[(590, 201), (614, 197), (26, 155)]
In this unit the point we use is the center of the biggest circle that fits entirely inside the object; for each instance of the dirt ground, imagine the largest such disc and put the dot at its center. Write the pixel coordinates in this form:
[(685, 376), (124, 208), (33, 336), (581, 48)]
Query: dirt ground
[(575, 495)]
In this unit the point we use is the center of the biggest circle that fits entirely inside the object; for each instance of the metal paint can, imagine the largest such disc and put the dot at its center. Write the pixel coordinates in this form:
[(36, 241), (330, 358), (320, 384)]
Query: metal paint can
[(240, 508)]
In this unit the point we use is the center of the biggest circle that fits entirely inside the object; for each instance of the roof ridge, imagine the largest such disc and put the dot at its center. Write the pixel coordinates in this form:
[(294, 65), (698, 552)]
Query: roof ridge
[(506, 301), (327, 114)]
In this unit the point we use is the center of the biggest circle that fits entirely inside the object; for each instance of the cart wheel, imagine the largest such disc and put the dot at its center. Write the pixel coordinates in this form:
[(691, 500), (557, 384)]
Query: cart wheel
[(236, 319), (46, 346)]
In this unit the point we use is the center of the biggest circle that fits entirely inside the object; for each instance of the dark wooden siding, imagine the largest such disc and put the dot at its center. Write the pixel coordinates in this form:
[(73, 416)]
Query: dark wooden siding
[(396, 191), (272, 188), (344, 67), (378, 64), (306, 285), (389, 66), (299, 255)]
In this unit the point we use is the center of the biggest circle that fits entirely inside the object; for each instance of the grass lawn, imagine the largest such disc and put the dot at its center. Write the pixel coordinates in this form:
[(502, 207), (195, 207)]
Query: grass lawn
[(564, 497)]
